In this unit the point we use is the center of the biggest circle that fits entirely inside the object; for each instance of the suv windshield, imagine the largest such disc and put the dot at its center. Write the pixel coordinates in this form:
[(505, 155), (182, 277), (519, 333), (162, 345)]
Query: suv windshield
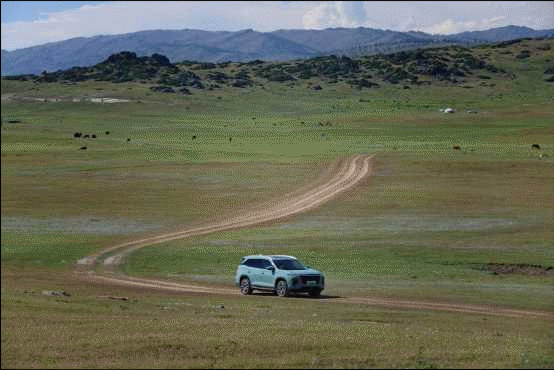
[(288, 264)]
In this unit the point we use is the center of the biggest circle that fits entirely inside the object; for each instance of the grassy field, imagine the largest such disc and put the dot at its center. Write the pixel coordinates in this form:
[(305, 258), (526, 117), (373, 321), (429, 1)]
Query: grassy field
[(429, 224), (151, 330)]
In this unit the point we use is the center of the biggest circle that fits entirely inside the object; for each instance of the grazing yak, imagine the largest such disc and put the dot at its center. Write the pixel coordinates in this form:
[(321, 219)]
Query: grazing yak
[(535, 146), (83, 148), (77, 134), (456, 147), (193, 137)]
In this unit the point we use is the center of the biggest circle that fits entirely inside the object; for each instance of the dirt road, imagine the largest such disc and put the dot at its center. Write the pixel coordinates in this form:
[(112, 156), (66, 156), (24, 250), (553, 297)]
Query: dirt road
[(341, 175)]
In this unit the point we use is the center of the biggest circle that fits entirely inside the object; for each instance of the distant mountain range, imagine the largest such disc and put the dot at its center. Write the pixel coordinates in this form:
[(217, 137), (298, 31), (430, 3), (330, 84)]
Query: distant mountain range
[(241, 46)]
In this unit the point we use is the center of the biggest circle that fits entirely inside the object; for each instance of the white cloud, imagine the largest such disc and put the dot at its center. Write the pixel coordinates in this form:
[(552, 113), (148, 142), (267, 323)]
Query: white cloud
[(451, 26), (335, 14)]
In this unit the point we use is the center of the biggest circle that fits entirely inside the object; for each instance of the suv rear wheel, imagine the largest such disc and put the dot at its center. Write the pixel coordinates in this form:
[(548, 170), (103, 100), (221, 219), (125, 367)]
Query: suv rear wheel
[(245, 287), (282, 289)]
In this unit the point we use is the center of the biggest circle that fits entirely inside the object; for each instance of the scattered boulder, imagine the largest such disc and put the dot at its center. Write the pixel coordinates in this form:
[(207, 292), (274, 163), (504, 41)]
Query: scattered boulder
[(114, 298), (162, 89), (56, 293), (183, 91)]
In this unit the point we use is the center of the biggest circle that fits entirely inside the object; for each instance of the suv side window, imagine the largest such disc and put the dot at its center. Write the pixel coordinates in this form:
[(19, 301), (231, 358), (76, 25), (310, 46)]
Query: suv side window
[(251, 262), (264, 263), (259, 263)]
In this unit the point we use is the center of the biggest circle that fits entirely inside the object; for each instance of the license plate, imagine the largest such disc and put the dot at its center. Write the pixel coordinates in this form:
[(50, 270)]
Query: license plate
[(311, 282)]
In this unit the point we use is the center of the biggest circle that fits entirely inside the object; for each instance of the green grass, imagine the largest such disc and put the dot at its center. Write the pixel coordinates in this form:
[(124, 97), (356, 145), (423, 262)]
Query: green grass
[(359, 264), (49, 249), (421, 228), (263, 331)]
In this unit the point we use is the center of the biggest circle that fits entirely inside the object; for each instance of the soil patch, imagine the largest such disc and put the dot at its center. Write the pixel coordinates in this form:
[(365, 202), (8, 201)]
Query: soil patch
[(518, 268)]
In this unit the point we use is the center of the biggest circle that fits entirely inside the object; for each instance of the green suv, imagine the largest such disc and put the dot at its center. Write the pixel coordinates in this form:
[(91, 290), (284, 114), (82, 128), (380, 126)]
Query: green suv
[(280, 274)]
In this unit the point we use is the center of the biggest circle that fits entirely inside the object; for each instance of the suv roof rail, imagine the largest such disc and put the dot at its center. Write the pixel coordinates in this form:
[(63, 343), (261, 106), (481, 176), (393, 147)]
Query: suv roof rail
[(270, 256)]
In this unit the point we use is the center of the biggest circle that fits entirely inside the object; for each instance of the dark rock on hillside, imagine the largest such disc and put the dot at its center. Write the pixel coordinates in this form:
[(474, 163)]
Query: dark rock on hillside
[(121, 67), (443, 65), (163, 89)]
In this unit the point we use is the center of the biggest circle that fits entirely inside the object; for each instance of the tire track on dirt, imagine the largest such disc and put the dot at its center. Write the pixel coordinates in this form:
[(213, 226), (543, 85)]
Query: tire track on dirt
[(349, 172), (340, 176)]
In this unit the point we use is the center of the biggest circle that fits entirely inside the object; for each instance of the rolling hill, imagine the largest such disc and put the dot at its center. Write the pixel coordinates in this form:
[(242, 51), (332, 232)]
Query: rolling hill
[(240, 46)]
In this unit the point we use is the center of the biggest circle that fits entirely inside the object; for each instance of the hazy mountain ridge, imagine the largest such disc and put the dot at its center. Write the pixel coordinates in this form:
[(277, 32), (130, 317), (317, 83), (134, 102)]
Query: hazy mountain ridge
[(240, 46)]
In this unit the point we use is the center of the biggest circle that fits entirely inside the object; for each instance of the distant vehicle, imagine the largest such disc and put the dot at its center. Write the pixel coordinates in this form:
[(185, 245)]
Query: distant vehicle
[(277, 273)]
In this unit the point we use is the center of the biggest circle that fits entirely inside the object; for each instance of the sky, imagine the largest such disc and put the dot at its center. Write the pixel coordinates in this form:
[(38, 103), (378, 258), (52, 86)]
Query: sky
[(30, 23)]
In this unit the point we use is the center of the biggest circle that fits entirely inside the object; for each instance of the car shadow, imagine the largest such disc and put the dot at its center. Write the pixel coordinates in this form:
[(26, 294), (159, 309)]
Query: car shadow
[(298, 295)]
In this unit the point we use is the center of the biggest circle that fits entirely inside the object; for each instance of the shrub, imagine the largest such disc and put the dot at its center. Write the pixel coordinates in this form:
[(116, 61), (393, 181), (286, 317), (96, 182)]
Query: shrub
[(524, 54), (163, 89), (161, 60), (279, 76), (242, 83)]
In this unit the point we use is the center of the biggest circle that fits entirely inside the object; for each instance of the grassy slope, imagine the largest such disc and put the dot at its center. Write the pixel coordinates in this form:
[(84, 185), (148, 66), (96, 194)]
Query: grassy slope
[(424, 225)]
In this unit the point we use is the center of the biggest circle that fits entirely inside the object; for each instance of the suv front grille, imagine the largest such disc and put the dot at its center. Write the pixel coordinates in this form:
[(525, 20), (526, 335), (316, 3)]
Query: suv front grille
[(305, 278)]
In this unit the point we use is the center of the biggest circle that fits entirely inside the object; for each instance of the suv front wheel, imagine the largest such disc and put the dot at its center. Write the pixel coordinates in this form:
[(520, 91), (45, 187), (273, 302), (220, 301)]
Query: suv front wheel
[(245, 287), (282, 288)]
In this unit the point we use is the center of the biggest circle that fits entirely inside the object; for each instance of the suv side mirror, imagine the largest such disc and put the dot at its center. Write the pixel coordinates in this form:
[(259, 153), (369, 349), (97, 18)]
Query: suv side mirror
[(270, 268)]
